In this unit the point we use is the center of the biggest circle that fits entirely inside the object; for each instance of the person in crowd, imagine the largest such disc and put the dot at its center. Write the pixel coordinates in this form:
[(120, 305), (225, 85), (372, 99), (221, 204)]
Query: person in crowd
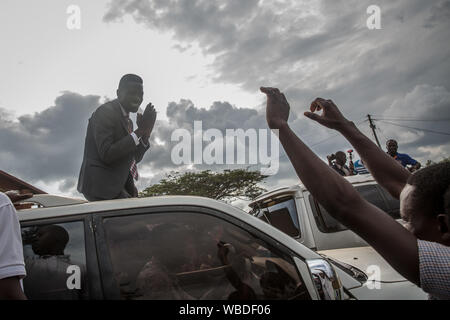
[(338, 162), (112, 149), (48, 244), (12, 265), (404, 159), (157, 278), (420, 254)]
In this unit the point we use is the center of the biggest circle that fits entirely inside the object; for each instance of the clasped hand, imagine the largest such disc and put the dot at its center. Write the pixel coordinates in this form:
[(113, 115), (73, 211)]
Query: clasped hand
[(146, 121)]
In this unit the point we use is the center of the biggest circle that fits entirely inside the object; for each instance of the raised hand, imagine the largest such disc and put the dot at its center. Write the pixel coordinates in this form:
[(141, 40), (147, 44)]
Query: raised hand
[(331, 117), (277, 110), (146, 121)]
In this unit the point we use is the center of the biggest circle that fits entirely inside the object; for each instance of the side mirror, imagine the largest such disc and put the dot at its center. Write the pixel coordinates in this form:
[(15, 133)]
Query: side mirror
[(325, 278)]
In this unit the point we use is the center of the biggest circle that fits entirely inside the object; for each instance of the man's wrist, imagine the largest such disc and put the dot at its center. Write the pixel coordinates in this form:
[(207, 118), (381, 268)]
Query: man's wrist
[(139, 132), (281, 127), (347, 127)]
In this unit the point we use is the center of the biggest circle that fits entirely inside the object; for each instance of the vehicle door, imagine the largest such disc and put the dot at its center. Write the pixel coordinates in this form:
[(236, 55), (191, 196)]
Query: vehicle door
[(60, 259), (188, 252), (330, 233)]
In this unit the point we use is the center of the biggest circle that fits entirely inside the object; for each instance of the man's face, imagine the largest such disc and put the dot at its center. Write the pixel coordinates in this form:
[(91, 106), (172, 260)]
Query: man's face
[(421, 225), (391, 147), (341, 158), (43, 242), (130, 96)]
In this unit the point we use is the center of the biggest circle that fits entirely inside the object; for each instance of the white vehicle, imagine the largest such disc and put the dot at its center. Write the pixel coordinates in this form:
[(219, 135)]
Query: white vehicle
[(174, 247), (294, 211)]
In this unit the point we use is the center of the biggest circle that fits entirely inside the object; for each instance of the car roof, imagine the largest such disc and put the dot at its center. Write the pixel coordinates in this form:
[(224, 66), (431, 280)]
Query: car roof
[(165, 201), (50, 200), (354, 180)]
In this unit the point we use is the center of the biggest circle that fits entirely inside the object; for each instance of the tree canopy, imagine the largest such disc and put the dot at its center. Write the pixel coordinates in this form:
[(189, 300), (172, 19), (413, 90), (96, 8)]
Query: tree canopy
[(429, 162), (226, 185)]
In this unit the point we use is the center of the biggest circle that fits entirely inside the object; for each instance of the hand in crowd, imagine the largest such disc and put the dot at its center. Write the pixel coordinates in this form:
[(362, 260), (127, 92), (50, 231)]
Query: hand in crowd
[(277, 111), (331, 117)]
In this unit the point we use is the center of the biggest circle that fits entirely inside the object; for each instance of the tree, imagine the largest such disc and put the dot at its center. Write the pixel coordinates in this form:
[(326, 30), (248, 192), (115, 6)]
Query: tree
[(226, 185), (429, 162)]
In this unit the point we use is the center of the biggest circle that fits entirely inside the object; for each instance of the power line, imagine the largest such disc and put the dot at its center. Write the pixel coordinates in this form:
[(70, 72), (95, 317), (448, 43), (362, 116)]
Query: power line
[(323, 140), (332, 136), (381, 132), (414, 128), (411, 119)]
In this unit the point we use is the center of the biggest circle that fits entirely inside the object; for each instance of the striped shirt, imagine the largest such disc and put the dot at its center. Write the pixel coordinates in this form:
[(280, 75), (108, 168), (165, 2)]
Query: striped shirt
[(434, 266)]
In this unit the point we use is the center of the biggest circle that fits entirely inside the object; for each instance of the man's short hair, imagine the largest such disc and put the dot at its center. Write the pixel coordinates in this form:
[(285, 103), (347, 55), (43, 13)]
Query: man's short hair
[(391, 140), (129, 78), (432, 188)]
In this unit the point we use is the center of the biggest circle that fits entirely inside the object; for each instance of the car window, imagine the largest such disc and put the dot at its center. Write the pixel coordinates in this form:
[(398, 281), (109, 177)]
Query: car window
[(196, 256), (55, 261), (326, 223), (282, 214), (393, 204)]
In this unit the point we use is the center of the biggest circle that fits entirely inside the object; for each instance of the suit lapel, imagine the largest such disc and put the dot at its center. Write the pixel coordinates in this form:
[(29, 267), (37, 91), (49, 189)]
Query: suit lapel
[(123, 120)]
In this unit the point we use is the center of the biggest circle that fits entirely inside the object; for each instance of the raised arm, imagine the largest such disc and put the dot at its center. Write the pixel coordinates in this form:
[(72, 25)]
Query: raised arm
[(339, 197), (386, 171)]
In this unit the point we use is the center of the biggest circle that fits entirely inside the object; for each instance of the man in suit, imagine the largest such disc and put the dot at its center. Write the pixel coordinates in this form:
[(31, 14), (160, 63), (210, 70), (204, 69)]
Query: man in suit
[(112, 149)]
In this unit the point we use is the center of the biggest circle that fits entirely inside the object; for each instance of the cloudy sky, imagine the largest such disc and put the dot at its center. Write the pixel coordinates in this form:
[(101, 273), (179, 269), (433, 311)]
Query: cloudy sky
[(205, 60)]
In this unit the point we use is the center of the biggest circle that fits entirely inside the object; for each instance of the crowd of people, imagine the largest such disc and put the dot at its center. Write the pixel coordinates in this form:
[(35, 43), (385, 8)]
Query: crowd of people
[(420, 252), (338, 161)]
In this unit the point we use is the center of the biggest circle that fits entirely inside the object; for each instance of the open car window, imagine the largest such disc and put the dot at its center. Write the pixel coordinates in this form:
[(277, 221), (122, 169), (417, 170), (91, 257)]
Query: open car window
[(55, 261), (372, 193), (196, 256)]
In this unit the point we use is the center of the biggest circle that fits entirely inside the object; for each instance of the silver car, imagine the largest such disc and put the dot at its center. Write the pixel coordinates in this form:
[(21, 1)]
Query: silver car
[(173, 247)]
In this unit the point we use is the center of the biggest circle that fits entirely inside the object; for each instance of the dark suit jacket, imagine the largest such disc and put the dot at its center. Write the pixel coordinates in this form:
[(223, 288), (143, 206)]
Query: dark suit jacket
[(108, 152)]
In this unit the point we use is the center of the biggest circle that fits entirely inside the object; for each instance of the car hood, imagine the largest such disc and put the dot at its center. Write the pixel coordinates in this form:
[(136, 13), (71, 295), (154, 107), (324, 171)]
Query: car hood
[(393, 286), (362, 258)]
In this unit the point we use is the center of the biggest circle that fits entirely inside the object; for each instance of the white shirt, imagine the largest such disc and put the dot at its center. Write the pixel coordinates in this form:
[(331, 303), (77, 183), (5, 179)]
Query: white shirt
[(11, 250)]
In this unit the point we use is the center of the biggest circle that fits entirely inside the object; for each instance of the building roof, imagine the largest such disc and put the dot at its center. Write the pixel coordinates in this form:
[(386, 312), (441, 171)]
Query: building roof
[(9, 182)]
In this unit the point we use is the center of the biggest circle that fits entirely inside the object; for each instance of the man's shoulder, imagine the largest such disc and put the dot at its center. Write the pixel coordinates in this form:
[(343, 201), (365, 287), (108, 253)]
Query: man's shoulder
[(434, 266), (403, 155), (107, 106), (107, 110)]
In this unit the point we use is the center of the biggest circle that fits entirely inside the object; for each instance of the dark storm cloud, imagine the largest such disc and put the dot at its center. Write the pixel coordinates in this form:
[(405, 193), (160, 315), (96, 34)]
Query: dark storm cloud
[(322, 48), (47, 146), (306, 48)]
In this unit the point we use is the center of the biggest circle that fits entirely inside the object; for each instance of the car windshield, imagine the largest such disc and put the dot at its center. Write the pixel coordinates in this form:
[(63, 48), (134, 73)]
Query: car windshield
[(281, 213)]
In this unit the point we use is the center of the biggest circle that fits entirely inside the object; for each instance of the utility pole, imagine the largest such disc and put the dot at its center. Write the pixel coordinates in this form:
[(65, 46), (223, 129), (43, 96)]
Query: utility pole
[(372, 126)]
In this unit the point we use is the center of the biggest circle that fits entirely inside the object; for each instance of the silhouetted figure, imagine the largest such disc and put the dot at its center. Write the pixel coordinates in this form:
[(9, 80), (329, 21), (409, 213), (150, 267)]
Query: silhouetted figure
[(338, 163), (112, 149), (47, 271), (402, 158)]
